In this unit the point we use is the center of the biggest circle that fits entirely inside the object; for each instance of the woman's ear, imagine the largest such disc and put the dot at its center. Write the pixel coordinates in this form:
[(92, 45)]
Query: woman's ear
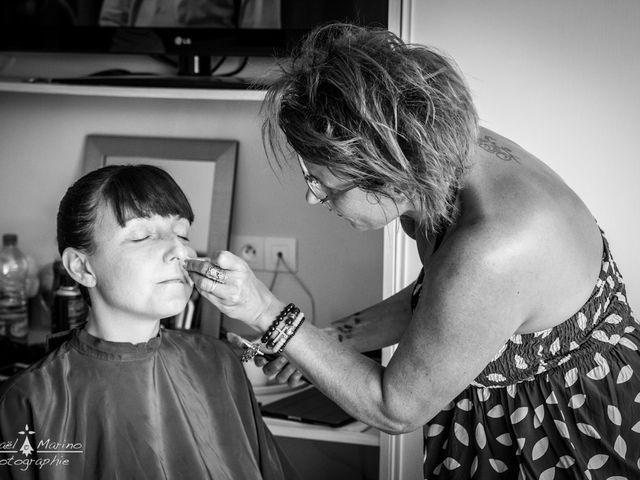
[(78, 266)]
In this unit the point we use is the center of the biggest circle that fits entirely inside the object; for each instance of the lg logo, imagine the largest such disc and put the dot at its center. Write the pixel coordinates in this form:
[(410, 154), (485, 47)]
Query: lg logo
[(182, 41)]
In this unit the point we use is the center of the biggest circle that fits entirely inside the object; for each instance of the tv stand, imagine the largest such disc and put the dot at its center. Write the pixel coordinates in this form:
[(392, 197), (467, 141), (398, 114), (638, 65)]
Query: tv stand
[(161, 81)]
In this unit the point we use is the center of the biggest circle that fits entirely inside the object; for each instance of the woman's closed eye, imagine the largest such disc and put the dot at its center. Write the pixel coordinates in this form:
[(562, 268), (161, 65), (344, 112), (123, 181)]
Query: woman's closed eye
[(140, 235), (140, 238), (182, 233)]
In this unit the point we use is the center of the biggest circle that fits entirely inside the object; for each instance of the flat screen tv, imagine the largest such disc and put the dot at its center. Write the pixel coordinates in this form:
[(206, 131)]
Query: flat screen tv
[(190, 32)]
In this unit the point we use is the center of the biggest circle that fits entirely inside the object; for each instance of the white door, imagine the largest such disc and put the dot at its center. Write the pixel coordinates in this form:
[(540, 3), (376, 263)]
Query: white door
[(400, 455)]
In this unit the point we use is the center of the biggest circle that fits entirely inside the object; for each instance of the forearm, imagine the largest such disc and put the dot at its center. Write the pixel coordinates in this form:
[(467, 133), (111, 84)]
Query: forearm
[(375, 327), (357, 383), (352, 380)]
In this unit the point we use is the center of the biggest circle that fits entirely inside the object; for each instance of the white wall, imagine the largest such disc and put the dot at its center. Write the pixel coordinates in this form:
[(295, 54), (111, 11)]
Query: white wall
[(561, 79)]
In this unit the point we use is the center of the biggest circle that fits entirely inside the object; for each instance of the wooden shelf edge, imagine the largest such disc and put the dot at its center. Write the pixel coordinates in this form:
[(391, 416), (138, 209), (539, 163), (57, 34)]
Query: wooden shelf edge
[(17, 86)]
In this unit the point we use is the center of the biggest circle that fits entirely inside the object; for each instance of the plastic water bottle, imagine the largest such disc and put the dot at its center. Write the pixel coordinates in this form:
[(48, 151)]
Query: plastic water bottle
[(14, 268)]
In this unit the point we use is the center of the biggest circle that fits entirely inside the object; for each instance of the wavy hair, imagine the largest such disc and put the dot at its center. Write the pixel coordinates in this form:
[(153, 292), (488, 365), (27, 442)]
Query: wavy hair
[(390, 116)]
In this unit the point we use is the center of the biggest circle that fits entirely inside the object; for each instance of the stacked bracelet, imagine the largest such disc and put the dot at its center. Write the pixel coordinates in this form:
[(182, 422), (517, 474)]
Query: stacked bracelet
[(277, 336), (288, 331), (289, 311)]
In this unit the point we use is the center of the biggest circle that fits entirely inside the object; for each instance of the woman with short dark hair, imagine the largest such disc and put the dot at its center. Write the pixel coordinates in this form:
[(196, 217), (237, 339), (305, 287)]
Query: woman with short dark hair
[(121, 397)]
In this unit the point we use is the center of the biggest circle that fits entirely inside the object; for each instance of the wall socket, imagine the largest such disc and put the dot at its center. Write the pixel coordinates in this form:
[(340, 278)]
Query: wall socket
[(249, 248), (280, 245), (261, 253)]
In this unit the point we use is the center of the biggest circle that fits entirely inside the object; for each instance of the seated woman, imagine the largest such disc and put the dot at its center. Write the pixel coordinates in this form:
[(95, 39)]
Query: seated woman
[(122, 398)]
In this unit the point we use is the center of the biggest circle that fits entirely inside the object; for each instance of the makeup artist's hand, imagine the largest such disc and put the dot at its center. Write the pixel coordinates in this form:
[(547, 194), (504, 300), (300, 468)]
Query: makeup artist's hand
[(231, 286), (282, 370), (276, 366)]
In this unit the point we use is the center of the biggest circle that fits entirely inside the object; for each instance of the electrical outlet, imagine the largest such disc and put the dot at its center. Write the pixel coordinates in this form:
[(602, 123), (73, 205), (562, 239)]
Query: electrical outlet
[(249, 248), (285, 246)]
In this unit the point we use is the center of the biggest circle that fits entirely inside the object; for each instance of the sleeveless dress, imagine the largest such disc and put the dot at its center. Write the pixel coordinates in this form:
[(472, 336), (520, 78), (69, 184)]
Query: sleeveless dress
[(561, 403)]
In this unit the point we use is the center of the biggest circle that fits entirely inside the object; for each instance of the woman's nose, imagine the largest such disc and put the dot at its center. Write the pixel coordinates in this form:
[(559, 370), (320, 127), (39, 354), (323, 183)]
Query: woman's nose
[(179, 250)]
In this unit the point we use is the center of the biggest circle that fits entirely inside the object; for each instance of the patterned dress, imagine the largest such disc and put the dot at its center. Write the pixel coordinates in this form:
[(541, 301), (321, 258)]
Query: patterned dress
[(561, 403)]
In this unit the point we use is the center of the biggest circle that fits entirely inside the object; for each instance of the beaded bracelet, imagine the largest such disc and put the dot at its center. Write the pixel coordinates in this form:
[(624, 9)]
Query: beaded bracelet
[(286, 331), (289, 313), (291, 332), (277, 336), (254, 348)]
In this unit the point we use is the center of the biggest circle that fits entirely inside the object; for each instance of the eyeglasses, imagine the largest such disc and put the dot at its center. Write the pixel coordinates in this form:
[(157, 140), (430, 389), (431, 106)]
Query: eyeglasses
[(323, 193)]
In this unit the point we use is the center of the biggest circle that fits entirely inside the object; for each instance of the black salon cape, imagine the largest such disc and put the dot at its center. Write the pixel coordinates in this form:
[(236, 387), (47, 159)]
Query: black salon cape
[(177, 407)]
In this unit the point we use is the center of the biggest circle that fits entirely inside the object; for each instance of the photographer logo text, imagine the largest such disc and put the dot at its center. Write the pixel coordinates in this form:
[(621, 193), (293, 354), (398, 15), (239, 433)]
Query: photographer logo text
[(23, 452)]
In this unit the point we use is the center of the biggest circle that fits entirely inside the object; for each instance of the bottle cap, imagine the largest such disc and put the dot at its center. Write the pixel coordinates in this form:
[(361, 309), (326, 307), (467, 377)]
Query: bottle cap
[(9, 240)]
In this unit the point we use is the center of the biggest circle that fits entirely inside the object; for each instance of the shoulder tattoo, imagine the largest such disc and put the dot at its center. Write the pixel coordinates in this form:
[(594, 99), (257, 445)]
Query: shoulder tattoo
[(489, 144)]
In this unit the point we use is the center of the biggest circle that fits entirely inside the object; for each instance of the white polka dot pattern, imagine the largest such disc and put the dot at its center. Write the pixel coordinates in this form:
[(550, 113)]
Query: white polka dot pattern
[(563, 403)]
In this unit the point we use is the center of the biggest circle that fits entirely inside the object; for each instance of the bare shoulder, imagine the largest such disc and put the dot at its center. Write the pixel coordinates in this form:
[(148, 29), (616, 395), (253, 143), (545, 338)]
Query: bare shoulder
[(556, 243), (484, 262), (538, 266), (476, 286), (468, 307)]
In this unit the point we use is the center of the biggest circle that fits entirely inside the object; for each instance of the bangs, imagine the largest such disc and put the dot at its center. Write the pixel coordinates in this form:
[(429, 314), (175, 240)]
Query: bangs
[(143, 191)]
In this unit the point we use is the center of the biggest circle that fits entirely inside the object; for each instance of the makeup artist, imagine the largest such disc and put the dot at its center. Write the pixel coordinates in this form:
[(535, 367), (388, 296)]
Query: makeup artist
[(517, 349)]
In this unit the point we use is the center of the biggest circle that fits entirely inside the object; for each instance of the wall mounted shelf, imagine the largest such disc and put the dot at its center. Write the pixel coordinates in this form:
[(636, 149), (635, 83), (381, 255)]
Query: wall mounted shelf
[(17, 85)]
